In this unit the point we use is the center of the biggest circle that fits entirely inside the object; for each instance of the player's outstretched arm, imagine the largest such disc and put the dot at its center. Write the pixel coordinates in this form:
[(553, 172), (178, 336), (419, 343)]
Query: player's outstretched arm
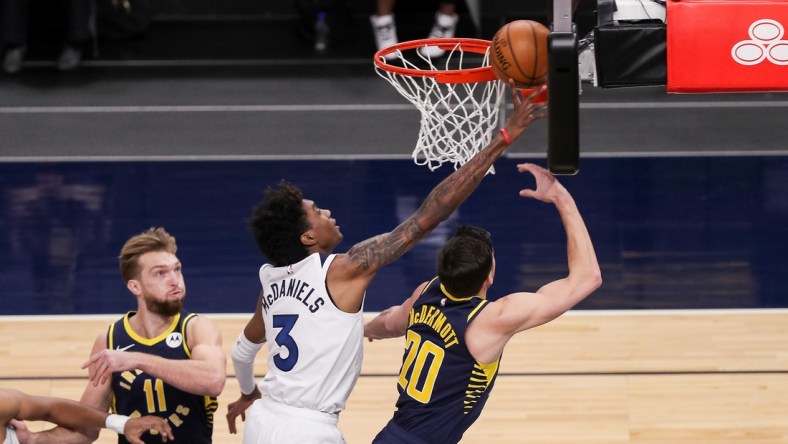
[(74, 415), (97, 396), (521, 311), (62, 412), (366, 257), (584, 275), (392, 322)]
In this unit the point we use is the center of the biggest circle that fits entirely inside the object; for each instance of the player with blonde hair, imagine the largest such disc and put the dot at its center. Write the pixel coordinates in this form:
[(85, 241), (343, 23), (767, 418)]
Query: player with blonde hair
[(158, 360)]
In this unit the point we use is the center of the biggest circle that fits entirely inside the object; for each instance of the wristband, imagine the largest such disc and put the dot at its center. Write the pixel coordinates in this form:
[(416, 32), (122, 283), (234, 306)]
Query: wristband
[(506, 137), (116, 423), (243, 355)]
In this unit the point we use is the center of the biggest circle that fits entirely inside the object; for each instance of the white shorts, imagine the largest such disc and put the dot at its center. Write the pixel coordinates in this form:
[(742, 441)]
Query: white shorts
[(10, 436), (269, 422)]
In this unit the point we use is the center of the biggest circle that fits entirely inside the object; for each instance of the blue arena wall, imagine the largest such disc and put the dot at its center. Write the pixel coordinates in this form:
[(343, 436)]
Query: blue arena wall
[(683, 232)]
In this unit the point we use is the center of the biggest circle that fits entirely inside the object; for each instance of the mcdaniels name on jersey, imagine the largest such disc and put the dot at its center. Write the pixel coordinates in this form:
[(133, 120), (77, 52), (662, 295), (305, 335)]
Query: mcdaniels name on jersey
[(293, 288)]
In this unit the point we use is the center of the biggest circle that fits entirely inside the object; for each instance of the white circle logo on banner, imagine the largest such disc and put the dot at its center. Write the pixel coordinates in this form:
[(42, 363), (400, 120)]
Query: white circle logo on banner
[(764, 43)]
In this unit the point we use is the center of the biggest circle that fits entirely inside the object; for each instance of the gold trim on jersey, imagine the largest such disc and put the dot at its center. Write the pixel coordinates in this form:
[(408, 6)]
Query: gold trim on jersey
[(454, 298), (211, 406), (479, 381), (111, 336), (186, 320), (476, 310), (145, 341)]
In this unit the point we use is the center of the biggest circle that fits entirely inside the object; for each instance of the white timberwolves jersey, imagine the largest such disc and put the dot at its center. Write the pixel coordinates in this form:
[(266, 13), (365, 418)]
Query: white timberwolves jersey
[(314, 349)]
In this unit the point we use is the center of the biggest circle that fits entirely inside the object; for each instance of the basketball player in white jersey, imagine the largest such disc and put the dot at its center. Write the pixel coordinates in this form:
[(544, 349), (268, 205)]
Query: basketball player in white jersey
[(16, 406), (310, 307)]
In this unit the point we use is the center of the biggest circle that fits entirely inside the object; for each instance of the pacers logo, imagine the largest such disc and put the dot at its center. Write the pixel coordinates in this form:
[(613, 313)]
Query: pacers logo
[(765, 43), (174, 340)]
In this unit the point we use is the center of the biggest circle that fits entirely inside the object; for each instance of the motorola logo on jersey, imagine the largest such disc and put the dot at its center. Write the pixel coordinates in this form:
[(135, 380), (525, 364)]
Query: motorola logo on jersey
[(765, 43), (174, 340)]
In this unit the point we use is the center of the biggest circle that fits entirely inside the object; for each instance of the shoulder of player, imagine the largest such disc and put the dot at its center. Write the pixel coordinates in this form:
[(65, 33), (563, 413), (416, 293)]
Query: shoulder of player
[(346, 267), (202, 329), (368, 256), (100, 343), (512, 308), (200, 322)]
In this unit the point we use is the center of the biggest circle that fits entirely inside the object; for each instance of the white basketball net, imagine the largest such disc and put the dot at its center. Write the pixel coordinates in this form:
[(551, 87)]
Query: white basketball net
[(457, 119)]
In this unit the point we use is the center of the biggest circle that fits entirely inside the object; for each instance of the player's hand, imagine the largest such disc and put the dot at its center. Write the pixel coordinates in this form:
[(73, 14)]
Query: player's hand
[(238, 408), (135, 427), (102, 364), (547, 187), (526, 110), (22, 432)]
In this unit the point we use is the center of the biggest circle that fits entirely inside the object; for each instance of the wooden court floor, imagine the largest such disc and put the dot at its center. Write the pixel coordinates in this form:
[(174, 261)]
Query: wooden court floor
[(645, 377)]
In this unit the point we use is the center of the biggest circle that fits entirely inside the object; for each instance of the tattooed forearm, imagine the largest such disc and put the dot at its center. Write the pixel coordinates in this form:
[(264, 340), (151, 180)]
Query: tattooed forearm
[(378, 251), (452, 191), (374, 253)]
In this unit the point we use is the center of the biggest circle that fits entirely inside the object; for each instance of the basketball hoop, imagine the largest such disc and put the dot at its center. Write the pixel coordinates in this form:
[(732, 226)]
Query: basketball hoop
[(458, 96)]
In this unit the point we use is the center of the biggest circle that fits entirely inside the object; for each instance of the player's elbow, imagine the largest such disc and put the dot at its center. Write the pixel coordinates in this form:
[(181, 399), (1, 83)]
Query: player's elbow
[(215, 387), (584, 284), (218, 385), (214, 384), (592, 282)]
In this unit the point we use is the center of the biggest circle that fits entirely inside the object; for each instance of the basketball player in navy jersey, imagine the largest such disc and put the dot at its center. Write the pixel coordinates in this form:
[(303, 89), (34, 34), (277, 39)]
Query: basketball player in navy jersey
[(159, 360), (454, 336), (310, 308), (16, 406)]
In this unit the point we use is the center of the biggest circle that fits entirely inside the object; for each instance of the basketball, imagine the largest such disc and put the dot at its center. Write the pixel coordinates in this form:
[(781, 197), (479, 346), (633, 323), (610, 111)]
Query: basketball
[(519, 52)]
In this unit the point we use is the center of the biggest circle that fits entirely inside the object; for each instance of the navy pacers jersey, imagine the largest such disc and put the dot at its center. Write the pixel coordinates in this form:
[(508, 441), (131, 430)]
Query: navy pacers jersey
[(442, 387), (137, 393)]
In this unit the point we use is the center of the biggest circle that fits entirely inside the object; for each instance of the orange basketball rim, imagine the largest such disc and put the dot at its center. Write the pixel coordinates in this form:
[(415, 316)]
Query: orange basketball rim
[(462, 75), (458, 95)]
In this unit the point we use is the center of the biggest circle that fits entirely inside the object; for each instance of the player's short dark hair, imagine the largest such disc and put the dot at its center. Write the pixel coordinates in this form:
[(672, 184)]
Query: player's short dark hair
[(277, 223), (465, 261)]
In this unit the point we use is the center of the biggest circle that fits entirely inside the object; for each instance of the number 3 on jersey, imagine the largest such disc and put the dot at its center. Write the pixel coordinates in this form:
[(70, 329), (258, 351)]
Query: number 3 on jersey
[(413, 369), (283, 339)]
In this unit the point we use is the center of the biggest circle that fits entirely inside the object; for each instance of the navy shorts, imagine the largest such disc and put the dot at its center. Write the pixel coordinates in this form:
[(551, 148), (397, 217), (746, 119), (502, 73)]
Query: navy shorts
[(394, 434)]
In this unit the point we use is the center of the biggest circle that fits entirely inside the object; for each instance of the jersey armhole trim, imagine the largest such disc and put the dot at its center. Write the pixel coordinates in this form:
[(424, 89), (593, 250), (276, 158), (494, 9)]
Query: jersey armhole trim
[(186, 320), (110, 336)]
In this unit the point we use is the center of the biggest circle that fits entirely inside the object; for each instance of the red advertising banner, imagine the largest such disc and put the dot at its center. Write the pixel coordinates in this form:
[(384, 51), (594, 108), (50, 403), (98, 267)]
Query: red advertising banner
[(727, 46)]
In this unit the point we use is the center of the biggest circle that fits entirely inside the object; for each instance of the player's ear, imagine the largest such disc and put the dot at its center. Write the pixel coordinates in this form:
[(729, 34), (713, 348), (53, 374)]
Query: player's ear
[(491, 276), (489, 281), (134, 287), (308, 238)]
